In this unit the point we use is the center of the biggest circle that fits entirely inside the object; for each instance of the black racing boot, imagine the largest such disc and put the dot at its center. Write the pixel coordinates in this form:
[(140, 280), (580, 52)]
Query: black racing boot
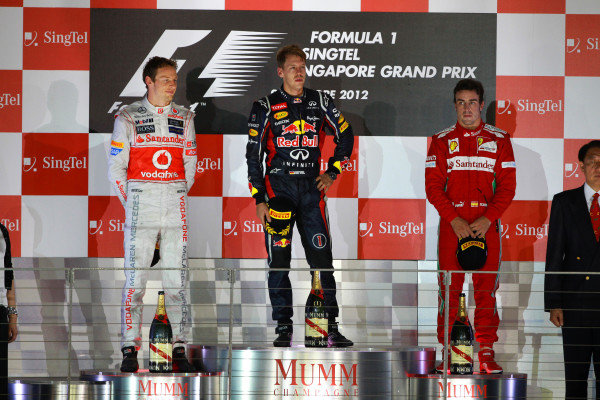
[(335, 338), (284, 335), (180, 361), (130, 361)]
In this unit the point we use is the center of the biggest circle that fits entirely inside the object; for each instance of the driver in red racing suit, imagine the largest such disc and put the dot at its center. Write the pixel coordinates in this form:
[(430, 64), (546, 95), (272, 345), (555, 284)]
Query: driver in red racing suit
[(470, 178), (288, 127)]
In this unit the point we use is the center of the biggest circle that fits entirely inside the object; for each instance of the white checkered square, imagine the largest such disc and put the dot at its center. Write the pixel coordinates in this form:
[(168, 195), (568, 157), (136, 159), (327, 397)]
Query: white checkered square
[(98, 184), (235, 170), (463, 6), (205, 215), (11, 38), (583, 7), (10, 163), (582, 103), (57, 3), (539, 168), (191, 4), (330, 5)]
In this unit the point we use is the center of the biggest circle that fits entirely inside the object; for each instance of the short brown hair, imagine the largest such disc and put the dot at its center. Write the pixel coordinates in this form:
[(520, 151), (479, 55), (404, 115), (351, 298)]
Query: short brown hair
[(469, 84), (154, 64), (289, 50)]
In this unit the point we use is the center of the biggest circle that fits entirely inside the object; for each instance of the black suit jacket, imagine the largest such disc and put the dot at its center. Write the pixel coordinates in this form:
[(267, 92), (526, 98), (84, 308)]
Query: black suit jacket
[(572, 247)]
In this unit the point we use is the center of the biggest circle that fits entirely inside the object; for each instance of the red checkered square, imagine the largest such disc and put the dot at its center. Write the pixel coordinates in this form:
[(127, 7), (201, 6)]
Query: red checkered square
[(56, 38), (525, 230), (346, 184), (243, 234), (531, 106), (10, 216), (123, 4), (11, 3), (391, 229), (106, 221), (273, 5), (11, 101), (573, 175), (532, 6), (397, 6), (209, 170), (582, 53), (55, 164)]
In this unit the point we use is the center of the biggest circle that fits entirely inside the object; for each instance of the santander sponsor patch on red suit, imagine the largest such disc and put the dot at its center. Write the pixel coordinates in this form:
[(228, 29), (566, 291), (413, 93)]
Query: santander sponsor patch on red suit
[(243, 235), (55, 164), (391, 229), (10, 217), (56, 38), (106, 222), (11, 100)]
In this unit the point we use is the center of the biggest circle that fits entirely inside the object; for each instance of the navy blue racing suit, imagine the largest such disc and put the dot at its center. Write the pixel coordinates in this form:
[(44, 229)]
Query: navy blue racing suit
[(286, 134)]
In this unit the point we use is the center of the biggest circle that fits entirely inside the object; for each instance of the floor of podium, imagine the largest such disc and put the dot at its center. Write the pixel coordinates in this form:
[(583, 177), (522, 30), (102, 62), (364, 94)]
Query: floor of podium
[(283, 374)]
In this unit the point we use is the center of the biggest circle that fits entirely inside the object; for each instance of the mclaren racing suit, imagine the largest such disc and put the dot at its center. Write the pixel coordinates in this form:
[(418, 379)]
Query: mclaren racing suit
[(469, 174), (151, 167), (290, 132)]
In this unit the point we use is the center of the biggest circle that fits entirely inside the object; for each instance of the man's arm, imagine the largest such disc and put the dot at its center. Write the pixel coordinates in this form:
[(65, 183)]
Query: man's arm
[(118, 160), (506, 181), (9, 284), (258, 125), (190, 157), (436, 176), (343, 136), (555, 252)]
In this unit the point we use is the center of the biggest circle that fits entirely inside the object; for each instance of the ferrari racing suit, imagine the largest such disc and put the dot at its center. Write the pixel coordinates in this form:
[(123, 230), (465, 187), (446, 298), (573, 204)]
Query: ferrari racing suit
[(290, 132), (469, 174), (151, 167)]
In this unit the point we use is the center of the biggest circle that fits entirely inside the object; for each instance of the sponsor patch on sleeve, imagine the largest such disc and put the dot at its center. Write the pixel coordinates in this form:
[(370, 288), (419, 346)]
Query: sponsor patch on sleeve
[(175, 130), (190, 143), (341, 119), (115, 150), (344, 126), (190, 152), (253, 132), (509, 164), (430, 164), (118, 145)]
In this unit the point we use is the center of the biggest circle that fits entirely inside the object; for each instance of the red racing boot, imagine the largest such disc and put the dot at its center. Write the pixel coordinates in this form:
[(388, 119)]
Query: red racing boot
[(487, 363)]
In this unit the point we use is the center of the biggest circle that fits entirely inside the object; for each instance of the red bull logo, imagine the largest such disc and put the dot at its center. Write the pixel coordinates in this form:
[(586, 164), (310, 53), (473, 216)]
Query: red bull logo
[(306, 142), (300, 127), (282, 243)]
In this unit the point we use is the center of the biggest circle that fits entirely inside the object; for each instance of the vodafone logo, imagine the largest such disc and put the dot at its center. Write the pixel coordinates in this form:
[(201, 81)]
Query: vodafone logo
[(162, 159), (66, 39)]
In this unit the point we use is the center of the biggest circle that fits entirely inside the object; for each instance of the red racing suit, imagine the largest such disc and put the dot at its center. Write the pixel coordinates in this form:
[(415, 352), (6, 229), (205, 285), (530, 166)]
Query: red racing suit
[(469, 174)]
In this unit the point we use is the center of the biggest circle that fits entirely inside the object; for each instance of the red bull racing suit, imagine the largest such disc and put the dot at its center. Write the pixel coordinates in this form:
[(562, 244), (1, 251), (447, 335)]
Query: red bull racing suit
[(469, 174), (151, 167), (287, 134)]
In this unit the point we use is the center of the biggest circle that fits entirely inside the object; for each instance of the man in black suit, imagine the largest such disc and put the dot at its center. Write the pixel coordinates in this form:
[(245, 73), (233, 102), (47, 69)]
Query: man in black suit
[(573, 300)]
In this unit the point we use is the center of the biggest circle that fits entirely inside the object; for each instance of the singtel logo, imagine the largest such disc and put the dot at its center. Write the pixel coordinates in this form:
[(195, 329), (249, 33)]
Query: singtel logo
[(208, 164), (525, 105), (525, 230), (388, 228), (52, 37), (49, 162), (7, 99), (13, 225), (114, 225)]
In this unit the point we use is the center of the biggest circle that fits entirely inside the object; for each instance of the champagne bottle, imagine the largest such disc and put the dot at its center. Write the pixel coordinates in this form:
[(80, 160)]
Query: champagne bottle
[(461, 342), (161, 339), (316, 318)]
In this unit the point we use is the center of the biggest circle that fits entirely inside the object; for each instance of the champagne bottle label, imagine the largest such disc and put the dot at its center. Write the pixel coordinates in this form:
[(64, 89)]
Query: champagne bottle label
[(316, 327), (160, 352), (462, 355)]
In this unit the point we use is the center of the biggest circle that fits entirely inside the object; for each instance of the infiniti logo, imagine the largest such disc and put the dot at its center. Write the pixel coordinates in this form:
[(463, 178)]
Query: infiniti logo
[(299, 154)]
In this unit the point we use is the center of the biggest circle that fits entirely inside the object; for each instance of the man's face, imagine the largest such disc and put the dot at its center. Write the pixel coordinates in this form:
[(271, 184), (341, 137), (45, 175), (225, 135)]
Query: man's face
[(293, 74), (162, 89), (468, 108), (591, 168)]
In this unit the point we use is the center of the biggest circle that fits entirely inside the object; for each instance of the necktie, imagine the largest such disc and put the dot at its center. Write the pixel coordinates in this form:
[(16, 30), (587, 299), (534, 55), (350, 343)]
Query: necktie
[(595, 214)]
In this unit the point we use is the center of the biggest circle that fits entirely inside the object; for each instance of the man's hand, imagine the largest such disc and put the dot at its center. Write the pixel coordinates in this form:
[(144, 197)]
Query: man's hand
[(556, 317), (480, 226), (461, 228), (13, 331), (324, 181), (262, 212)]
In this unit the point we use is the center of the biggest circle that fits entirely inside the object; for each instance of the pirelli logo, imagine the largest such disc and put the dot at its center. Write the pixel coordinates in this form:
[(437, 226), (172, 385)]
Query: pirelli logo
[(280, 214)]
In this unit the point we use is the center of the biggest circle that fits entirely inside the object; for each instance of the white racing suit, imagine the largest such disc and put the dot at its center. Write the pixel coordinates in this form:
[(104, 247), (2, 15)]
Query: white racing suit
[(151, 167)]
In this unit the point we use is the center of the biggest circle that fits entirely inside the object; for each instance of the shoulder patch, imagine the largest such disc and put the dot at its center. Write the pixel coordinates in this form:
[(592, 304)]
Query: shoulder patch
[(494, 130), (444, 132)]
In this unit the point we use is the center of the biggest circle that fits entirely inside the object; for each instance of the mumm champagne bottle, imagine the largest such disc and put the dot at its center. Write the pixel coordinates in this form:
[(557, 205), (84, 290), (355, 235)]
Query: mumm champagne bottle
[(461, 342), (316, 318), (161, 339)]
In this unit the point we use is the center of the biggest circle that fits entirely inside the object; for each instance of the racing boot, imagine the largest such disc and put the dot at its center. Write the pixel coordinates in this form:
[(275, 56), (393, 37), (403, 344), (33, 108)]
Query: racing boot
[(487, 363), (284, 335), (335, 338), (130, 361), (440, 367), (180, 361)]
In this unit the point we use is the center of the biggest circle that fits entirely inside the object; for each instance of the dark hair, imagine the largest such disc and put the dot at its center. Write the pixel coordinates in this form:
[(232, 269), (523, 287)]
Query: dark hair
[(469, 84), (586, 147), (289, 50), (154, 64)]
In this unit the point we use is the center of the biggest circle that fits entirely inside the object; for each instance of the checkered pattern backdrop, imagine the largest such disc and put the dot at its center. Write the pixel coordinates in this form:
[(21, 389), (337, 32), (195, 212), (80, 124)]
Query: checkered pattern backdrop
[(56, 201)]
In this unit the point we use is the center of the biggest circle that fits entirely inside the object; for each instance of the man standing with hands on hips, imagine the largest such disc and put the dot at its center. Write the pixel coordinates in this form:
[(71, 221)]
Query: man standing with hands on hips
[(470, 178), (288, 128), (573, 300), (151, 167)]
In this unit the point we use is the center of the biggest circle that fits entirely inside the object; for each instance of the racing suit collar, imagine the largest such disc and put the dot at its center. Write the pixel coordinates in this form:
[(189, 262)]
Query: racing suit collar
[(469, 132), (156, 110), (288, 96)]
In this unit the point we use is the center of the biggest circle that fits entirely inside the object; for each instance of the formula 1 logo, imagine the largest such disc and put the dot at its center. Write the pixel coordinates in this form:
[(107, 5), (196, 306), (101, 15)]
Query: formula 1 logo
[(247, 50), (162, 159)]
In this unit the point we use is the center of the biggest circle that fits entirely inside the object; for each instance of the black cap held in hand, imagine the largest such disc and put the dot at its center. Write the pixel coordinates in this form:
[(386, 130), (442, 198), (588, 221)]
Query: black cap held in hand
[(281, 211), (471, 253)]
